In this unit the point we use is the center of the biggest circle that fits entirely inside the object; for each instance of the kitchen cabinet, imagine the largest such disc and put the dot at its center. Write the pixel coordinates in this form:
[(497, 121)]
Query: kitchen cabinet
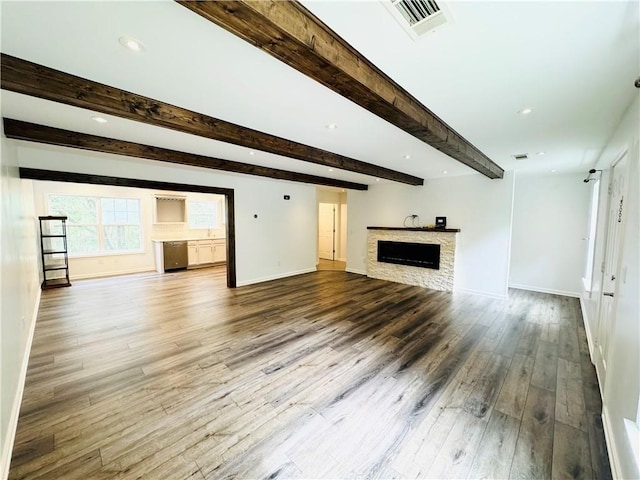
[(193, 253), (219, 251), (206, 252)]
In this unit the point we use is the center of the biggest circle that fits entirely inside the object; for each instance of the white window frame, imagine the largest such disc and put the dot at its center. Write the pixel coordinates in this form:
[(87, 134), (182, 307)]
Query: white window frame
[(220, 217), (102, 252)]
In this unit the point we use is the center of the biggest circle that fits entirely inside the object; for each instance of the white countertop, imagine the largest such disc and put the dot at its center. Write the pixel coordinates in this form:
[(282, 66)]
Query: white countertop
[(161, 240)]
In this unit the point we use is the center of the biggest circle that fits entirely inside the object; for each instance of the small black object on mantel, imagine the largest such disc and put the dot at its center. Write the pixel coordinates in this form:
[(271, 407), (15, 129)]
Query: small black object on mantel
[(441, 222)]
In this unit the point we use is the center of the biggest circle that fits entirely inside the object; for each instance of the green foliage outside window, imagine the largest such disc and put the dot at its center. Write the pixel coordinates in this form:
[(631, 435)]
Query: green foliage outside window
[(99, 224)]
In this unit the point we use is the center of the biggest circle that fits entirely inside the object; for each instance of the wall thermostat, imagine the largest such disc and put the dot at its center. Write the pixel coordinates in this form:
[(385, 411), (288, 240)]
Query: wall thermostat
[(441, 222), (287, 197)]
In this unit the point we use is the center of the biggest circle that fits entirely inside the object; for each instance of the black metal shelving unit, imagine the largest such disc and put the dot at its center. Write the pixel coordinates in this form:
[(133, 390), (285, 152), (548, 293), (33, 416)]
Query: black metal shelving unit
[(53, 249)]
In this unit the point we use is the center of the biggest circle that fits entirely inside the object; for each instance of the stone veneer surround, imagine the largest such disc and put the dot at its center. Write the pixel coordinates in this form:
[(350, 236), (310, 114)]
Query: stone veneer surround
[(441, 279)]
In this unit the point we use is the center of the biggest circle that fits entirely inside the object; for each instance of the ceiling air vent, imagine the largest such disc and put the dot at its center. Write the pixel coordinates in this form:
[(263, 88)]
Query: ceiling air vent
[(418, 17), (520, 156)]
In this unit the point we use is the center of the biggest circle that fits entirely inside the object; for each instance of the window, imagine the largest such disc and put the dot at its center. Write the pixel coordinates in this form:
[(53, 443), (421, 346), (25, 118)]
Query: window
[(99, 224), (205, 214)]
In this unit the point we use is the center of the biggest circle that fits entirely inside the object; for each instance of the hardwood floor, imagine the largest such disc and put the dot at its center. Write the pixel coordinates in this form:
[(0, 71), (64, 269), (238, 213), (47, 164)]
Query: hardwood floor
[(324, 375), (331, 265)]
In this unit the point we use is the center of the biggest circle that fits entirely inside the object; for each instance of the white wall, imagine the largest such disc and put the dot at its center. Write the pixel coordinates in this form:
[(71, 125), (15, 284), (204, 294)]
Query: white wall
[(19, 292), (281, 241), (480, 207), (550, 227), (622, 385)]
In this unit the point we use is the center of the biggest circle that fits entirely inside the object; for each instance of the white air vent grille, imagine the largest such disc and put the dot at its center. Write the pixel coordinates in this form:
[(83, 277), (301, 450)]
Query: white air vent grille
[(418, 17), (520, 156)]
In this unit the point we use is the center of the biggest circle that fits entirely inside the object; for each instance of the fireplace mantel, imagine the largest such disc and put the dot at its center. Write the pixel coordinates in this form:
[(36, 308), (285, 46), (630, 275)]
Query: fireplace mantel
[(418, 229)]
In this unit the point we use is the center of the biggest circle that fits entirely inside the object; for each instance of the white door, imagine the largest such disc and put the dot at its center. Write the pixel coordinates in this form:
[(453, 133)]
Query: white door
[(326, 231), (615, 224)]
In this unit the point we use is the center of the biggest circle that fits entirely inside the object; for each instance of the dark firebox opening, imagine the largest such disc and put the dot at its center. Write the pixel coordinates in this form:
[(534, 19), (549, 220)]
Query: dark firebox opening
[(425, 255)]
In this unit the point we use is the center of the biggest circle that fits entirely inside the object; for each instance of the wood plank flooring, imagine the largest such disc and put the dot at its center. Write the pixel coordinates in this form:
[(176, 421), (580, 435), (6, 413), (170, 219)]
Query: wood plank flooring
[(331, 265), (324, 375)]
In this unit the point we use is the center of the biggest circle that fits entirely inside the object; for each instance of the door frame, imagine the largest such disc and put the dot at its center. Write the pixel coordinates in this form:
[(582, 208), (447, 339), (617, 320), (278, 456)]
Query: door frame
[(59, 176), (602, 360)]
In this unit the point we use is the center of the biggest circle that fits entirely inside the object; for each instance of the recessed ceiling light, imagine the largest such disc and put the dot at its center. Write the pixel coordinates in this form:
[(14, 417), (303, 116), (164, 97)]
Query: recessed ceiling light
[(131, 43), (525, 111), (99, 119), (445, 172), (331, 169), (377, 179), (540, 154), (553, 171), (331, 126), (252, 152), (407, 157)]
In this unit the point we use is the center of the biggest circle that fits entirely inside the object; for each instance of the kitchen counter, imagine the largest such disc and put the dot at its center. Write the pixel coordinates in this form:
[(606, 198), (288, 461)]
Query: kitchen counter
[(160, 240), (200, 251)]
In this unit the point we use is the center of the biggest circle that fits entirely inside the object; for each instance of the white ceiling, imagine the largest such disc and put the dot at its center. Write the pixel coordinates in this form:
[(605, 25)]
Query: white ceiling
[(573, 63)]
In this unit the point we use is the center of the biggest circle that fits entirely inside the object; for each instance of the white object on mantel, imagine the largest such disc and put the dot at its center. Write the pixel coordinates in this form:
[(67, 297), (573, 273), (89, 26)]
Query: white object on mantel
[(441, 279)]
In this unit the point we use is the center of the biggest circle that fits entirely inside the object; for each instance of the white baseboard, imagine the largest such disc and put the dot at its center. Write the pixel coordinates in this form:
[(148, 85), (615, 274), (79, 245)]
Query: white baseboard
[(633, 436), (586, 287), (481, 293), (609, 437), (587, 328), (110, 274), (356, 271), (244, 283), (564, 293), (7, 445)]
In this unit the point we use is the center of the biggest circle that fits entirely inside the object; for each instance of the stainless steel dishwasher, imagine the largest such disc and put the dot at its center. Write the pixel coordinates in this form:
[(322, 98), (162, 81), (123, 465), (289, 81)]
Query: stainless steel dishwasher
[(175, 255)]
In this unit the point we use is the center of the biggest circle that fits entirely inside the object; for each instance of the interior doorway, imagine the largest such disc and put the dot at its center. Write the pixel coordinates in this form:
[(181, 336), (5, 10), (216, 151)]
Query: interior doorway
[(615, 233), (332, 230), (57, 176)]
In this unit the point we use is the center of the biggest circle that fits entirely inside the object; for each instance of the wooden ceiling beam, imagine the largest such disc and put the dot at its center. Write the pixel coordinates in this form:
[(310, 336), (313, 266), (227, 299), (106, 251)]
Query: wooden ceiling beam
[(29, 78), (292, 34), (32, 132)]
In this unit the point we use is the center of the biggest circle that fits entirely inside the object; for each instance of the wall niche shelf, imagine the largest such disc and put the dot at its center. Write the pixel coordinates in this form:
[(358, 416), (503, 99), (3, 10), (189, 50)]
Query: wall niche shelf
[(54, 253), (170, 209)]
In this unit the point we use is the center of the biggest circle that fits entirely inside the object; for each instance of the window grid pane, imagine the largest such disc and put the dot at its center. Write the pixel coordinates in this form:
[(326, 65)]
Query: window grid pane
[(120, 226), (203, 214), (121, 237), (82, 239)]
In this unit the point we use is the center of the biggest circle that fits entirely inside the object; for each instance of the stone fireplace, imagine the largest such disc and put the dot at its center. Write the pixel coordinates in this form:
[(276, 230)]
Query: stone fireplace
[(423, 257)]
